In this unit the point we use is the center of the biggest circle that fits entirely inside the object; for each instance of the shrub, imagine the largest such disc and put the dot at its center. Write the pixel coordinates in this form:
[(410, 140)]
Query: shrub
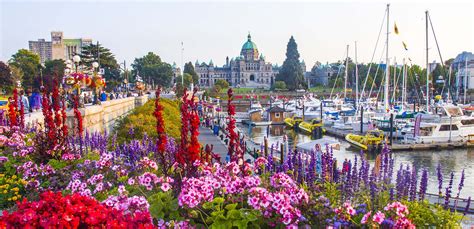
[(142, 121)]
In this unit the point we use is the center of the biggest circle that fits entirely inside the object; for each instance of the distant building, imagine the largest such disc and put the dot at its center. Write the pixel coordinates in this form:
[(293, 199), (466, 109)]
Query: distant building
[(59, 47), (464, 65), (247, 70), (176, 71), (320, 74), (42, 48)]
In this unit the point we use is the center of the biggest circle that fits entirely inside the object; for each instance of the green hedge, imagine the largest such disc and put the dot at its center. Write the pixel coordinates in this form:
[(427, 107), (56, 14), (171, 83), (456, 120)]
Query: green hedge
[(143, 121)]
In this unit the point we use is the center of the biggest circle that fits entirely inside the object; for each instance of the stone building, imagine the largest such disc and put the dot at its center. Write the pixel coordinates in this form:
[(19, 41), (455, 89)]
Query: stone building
[(247, 70), (42, 48), (320, 74), (59, 47)]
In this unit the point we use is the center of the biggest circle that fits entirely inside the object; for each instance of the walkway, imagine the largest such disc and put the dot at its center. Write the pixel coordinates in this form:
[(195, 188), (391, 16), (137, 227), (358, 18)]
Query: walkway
[(207, 137)]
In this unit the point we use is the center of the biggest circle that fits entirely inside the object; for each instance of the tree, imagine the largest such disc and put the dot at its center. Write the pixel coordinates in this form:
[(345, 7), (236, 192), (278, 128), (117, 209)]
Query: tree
[(54, 67), (6, 80), (223, 84), (28, 63), (280, 85), (105, 58), (291, 72), (152, 69), (53, 70), (189, 68), (17, 74), (187, 79)]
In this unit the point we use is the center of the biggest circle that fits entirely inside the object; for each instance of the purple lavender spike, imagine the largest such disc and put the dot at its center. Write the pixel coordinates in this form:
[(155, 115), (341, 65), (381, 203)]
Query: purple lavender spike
[(461, 184), (440, 179), (413, 184), (423, 184), (448, 191)]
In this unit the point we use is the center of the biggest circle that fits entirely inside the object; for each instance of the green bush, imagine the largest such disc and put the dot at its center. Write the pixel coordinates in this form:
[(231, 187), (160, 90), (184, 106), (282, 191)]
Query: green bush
[(142, 121)]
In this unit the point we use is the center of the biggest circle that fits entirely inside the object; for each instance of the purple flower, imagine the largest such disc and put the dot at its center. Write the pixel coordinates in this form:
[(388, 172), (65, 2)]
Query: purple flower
[(440, 179), (468, 204), (461, 183), (448, 191), (423, 184)]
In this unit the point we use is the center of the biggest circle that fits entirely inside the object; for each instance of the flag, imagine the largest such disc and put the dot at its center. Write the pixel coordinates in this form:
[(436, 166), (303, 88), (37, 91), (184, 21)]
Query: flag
[(404, 45), (396, 29)]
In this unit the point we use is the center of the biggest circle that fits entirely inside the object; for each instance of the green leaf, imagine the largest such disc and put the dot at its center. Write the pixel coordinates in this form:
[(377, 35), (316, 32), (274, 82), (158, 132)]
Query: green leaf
[(241, 224), (218, 200), (207, 205), (231, 206), (250, 216), (234, 214)]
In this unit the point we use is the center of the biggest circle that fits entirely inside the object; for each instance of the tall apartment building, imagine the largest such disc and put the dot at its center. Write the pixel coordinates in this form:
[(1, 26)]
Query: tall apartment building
[(42, 48), (59, 47)]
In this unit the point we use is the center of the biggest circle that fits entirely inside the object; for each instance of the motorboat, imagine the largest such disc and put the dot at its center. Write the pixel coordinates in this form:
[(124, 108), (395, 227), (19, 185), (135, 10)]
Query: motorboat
[(293, 121), (308, 127), (363, 142)]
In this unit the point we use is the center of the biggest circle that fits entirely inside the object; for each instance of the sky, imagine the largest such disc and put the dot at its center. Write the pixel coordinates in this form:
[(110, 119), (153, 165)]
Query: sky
[(214, 30)]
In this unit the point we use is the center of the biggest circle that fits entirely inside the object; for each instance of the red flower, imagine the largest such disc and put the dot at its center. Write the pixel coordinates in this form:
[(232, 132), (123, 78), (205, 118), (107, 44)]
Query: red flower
[(13, 108), (235, 151), (78, 115), (160, 124), (72, 211)]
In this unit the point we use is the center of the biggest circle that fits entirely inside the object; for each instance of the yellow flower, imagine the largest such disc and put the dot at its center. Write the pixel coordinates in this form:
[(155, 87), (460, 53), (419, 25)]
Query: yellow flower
[(16, 189), (5, 191), (9, 199), (14, 177), (14, 198)]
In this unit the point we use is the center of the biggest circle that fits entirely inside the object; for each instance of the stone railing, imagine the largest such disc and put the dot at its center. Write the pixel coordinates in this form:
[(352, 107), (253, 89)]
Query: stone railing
[(96, 118)]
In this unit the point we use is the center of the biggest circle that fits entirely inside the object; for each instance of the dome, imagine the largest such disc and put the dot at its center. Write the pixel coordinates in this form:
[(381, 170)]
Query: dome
[(249, 45), (461, 58)]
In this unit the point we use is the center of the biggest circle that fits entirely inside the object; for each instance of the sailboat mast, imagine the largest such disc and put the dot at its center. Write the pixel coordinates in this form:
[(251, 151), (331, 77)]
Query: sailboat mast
[(457, 84), (347, 67), (427, 68), (404, 70), (387, 68), (449, 83), (357, 76), (465, 80)]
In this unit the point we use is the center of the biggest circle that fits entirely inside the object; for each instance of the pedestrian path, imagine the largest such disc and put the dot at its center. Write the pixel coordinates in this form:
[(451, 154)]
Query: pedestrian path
[(207, 137)]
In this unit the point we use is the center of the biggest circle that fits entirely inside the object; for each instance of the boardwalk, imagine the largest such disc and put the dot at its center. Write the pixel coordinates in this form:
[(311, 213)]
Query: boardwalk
[(207, 137)]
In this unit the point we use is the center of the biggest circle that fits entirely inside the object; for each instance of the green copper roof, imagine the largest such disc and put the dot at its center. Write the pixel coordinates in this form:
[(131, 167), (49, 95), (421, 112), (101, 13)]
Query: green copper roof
[(249, 45)]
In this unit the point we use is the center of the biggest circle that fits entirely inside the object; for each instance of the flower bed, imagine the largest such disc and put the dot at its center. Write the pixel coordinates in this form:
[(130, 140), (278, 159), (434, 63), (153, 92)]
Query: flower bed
[(93, 181)]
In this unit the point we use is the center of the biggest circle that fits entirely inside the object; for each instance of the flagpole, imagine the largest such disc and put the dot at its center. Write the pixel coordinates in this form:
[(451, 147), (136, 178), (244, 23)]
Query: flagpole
[(347, 66), (182, 72), (427, 68)]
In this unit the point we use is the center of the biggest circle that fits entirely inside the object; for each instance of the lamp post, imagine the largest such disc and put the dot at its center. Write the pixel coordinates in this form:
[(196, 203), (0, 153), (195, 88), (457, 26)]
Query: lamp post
[(76, 60), (41, 74), (95, 67)]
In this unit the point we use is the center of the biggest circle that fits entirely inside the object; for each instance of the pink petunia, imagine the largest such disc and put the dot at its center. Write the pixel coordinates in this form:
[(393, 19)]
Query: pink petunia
[(379, 217)]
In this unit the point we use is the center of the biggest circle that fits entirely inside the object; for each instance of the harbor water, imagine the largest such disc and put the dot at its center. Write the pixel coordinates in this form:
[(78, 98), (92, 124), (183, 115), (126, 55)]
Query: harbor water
[(451, 160)]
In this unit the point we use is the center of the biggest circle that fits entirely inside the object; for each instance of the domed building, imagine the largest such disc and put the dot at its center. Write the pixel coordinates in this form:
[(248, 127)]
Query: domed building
[(247, 70)]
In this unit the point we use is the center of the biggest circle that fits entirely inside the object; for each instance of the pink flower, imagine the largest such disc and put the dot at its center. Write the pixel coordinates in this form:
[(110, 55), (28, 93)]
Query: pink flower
[(379, 217), (165, 187), (351, 211), (366, 217)]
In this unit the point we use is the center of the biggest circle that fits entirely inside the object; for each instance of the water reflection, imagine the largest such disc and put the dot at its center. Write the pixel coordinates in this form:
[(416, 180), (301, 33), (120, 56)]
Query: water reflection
[(451, 160)]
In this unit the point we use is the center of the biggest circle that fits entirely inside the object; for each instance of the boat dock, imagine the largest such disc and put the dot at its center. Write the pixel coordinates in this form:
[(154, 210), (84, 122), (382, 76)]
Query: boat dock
[(398, 145)]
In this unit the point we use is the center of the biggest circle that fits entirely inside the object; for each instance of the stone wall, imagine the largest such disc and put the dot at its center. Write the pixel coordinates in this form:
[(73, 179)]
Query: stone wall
[(96, 117)]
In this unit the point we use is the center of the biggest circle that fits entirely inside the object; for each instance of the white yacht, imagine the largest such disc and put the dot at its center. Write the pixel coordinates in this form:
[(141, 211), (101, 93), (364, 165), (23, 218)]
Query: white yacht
[(450, 126)]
